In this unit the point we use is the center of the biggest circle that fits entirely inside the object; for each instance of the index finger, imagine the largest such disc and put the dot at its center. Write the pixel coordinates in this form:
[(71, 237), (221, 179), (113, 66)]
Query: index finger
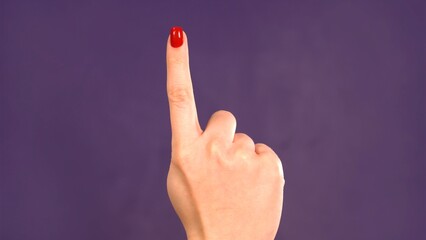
[(183, 111)]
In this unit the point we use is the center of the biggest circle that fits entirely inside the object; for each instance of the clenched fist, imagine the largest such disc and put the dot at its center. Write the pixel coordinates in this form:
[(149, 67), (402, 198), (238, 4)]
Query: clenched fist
[(221, 184)]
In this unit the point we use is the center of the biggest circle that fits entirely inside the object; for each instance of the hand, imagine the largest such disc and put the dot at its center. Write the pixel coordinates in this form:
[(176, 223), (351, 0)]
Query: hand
[(221, 184)]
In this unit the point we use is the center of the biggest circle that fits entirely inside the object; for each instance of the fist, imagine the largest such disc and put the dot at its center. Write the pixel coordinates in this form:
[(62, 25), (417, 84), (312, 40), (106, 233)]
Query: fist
[(221, 184)]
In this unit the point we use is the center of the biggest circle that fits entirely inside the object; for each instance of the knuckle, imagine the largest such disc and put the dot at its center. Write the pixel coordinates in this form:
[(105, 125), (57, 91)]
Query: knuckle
[(279, 169), (272, 160), (244, 139), (242, 154), (226, 115), (181, 158), (262, 148), (179, 95), (242, 136), (274, 171), (218, 153), (215, 147)]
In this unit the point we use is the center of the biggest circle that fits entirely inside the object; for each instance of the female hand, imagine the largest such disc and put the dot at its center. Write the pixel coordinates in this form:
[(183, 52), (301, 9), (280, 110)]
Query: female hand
[(221, 184)]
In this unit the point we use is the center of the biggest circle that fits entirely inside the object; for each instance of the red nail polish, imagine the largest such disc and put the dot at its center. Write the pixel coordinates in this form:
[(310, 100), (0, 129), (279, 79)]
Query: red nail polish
[(176, 37)]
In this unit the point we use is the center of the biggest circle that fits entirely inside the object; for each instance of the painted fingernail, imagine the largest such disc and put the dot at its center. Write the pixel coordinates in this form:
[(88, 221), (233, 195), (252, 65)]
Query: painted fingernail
[(176, 36)]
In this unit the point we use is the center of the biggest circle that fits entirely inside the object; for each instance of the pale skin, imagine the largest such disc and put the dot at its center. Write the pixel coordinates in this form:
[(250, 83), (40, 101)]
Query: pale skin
[(221, 184)]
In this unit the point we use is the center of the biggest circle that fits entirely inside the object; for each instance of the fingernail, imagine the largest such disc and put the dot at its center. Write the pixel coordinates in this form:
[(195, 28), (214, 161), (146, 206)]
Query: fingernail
[(176, 37)]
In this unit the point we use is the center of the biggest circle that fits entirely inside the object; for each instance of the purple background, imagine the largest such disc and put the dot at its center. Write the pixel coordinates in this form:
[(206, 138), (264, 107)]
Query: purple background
[(336, 88)]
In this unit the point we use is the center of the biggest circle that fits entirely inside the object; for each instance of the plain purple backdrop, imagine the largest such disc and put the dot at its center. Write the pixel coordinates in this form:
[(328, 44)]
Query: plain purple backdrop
[(337, 88)]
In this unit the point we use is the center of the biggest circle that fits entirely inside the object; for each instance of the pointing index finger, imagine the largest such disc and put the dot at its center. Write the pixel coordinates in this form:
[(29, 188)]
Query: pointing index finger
[(183, 111)]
